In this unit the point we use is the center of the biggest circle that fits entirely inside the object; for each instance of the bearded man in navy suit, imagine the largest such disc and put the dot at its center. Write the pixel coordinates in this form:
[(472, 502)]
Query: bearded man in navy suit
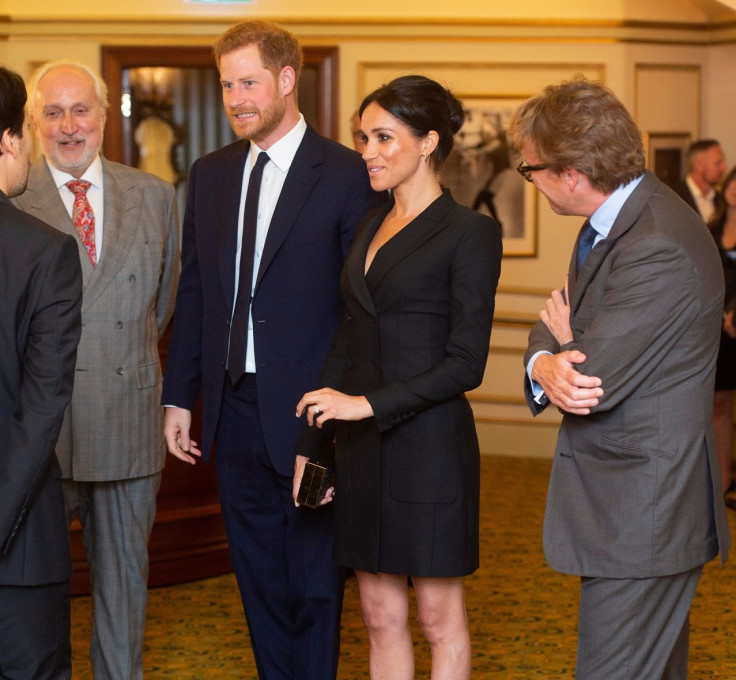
[(312, 195)]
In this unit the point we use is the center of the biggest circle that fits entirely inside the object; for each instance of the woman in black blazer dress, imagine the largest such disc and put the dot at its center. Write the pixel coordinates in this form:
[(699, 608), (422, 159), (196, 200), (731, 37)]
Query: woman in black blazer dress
[(419, 286)]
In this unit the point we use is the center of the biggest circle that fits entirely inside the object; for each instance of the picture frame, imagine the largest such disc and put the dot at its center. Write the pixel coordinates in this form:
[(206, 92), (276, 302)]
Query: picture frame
[(481, 173), (666, 155)]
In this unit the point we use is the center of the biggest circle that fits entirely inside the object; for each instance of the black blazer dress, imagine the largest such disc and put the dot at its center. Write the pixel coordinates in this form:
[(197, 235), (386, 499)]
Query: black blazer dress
[(414, 338)]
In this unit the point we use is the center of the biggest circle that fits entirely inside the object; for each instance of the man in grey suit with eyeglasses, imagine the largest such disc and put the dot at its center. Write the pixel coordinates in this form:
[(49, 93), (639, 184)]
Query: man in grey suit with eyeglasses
[(111, 449), (627, 351)]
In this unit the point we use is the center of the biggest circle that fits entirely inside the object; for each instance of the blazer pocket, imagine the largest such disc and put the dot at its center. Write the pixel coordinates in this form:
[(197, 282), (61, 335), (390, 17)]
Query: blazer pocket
[(622, 449), (148, 375)]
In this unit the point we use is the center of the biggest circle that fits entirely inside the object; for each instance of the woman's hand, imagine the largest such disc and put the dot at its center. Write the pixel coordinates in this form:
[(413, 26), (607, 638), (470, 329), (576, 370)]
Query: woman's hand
[(326, 404), (556, 316)]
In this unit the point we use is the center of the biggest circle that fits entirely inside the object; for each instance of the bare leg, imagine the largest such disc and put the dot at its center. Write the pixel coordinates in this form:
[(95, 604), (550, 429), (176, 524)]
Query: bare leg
[(444, 622), (723, 425), (385, 604)]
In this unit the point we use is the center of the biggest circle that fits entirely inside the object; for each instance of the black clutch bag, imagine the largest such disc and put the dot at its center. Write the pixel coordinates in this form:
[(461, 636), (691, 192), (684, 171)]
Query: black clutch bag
[(319, 475)]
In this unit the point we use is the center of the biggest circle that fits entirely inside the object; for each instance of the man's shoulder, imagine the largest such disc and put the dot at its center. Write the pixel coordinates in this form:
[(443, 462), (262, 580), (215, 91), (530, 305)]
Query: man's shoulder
[(23, 228), (126, 174), (235, 151), (336, 154)]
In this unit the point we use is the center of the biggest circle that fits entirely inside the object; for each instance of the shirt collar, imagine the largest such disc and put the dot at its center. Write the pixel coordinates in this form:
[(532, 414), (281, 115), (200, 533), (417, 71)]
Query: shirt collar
[(602, 219), (92, 174), (282, 152), (696, 192)]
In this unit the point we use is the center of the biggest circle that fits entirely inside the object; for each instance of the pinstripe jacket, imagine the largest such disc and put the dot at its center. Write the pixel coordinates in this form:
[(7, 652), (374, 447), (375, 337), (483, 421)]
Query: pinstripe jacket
[(113, 428)]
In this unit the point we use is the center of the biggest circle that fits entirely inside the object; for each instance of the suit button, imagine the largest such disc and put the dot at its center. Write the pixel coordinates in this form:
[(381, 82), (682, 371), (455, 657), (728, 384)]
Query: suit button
[(119, 324), (131, 278), (120, 371)]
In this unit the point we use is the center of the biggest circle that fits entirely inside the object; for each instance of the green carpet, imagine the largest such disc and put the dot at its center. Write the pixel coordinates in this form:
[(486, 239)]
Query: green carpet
[(522, 614)]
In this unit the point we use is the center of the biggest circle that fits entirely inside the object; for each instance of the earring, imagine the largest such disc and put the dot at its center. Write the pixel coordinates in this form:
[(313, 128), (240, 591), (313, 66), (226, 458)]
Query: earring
[(425, 157)]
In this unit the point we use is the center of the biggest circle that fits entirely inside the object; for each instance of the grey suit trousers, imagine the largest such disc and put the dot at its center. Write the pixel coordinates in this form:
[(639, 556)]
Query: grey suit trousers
[(117, 519), (635, 629)]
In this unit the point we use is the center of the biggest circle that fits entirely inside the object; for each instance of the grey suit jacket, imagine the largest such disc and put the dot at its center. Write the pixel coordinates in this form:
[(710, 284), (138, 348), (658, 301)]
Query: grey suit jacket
[(114, 427), (635, 489)]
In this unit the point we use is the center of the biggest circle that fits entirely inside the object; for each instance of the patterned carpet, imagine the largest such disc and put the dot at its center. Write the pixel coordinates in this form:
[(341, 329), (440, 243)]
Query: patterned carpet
[(522, 614)]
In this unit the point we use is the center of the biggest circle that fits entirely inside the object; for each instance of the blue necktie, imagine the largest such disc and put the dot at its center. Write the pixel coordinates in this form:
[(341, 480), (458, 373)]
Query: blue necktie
[(585, 243), (239, 324)]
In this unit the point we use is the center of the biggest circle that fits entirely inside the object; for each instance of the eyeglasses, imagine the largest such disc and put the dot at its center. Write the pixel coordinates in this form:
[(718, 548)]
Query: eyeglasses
[(526, 170)]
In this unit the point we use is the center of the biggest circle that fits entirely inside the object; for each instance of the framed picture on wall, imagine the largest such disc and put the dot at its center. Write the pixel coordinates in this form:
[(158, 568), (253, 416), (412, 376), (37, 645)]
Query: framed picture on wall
[(481, 173), (666, 155)]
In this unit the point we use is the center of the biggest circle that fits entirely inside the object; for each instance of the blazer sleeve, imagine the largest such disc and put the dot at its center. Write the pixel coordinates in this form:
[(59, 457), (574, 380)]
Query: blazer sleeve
[(183, 378), (652, 297), (474, 272), (540, 340), (48, 352), (170, 268)]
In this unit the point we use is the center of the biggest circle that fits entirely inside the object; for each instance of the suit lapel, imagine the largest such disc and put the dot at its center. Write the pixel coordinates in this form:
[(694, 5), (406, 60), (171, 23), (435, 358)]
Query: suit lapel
[(300, 180), (356, 259), (225, 203), (627, 217), (43, 201), (122, 207), (412, 236)]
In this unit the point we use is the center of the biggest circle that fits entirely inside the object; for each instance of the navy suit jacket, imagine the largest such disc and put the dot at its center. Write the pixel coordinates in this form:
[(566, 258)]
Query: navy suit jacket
[(296, 306)]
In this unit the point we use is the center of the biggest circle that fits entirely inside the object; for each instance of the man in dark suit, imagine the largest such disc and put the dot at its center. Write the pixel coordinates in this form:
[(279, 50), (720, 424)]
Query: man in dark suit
[(40, 325), (253, 332), (706, 169), (111, 448), (627, 351)]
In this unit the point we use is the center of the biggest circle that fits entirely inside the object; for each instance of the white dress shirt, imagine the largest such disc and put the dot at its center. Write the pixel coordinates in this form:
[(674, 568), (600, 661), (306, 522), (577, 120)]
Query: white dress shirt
[(281, 154), (95, 195), (704, 202)]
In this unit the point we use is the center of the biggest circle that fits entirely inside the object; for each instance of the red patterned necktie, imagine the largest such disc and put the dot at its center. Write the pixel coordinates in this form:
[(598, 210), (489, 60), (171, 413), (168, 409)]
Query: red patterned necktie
[(83, 217)]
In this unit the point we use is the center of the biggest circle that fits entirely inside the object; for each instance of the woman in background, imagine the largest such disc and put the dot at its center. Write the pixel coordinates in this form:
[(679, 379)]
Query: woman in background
[(723, 228), (419, 286)]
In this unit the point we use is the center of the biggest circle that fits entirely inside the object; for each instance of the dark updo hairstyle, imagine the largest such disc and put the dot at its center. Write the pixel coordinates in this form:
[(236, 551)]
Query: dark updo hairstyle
[(12, 102), (422, 105)]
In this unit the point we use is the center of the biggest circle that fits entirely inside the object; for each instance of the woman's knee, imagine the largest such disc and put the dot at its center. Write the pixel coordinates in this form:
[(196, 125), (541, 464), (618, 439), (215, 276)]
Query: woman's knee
[(384, 605)]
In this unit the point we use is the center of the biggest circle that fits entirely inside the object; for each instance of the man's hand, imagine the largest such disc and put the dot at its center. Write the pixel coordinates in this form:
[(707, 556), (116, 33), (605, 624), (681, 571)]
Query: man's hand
[(177, 422), (556, 316), (565, 387)]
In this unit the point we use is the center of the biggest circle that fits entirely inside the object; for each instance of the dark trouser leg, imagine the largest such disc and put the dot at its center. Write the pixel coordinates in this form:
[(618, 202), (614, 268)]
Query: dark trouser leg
[(291, 590), (34, 632)]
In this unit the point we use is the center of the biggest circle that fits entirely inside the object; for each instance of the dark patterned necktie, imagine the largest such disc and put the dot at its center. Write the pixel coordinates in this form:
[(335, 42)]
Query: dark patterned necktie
[(585, 243), (239, 325)]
